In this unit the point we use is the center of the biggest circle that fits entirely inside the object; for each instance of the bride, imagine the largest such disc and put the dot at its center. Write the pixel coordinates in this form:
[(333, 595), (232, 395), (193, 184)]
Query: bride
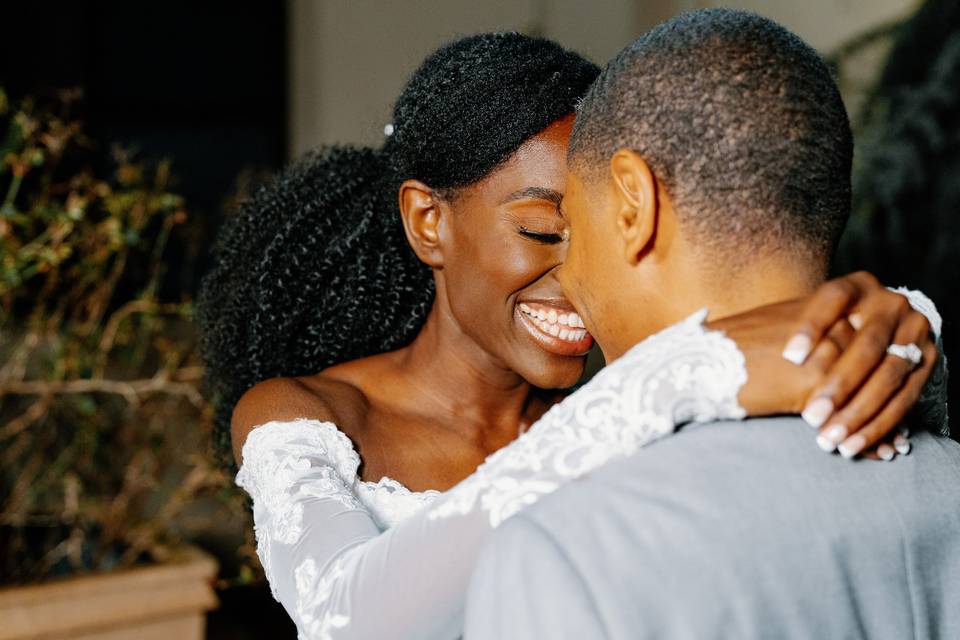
[(363, 386)]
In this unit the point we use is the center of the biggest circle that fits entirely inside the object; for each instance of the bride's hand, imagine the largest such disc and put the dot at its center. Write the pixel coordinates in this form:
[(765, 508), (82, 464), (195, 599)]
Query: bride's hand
[(825, 356)]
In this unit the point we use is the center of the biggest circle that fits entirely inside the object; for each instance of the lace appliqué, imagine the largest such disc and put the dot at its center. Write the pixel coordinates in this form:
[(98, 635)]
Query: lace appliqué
[(390, 502), (313, 591), (931, 408), (681, 374), (278, 471)]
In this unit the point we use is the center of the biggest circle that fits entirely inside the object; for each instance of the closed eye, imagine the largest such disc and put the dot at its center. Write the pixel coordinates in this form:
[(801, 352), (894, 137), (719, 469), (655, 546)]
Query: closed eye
[(543, 238)]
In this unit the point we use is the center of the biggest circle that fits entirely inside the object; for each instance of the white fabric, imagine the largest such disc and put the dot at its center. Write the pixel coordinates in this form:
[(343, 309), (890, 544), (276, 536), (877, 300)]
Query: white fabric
[(921, 303), (350, 559), (322, 532), (931, 409)]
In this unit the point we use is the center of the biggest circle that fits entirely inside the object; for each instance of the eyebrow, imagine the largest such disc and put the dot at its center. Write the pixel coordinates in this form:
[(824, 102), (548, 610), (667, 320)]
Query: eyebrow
[(535, 193)]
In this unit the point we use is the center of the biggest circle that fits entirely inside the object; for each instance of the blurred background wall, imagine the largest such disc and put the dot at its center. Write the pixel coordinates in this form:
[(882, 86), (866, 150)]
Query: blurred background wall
[(348, 60)]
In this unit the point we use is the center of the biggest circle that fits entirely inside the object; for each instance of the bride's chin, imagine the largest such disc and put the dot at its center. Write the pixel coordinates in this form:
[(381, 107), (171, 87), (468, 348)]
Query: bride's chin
[(546, 370), (552, 381)]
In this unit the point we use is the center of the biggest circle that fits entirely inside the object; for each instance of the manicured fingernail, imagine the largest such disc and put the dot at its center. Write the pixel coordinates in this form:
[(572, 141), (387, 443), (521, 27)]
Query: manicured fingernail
[(798, 348), (902, 445), (904, 432), (852, 446), (886, 452), (855, 320), (817, 412), (826, 443), (835, 434)]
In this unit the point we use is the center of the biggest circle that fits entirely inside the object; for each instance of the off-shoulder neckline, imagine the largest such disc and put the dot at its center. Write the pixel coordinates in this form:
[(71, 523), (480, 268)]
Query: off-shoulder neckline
[(348, 450)]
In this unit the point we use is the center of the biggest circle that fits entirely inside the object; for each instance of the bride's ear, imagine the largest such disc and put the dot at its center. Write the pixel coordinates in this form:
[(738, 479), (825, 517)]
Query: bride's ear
[(421, 212), (635, 190)]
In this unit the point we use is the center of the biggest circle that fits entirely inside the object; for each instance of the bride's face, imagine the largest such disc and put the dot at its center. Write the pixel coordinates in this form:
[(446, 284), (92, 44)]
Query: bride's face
[(504, 240)]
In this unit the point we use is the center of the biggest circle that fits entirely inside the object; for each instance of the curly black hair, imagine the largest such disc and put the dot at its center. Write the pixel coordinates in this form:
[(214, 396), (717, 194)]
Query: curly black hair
[(315, 269)]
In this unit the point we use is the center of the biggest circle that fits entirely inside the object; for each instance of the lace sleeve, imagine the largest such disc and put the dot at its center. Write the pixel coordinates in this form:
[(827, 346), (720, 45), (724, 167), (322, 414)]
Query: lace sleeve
[(931, 409), (339, 577), (682, 374), (300, 475)]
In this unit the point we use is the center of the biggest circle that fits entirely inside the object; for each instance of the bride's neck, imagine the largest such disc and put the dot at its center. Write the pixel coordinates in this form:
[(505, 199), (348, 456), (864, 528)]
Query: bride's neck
[(449, 374)]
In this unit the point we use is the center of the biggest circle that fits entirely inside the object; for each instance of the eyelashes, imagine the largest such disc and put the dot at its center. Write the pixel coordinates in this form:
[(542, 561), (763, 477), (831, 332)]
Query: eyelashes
[(544, 238)]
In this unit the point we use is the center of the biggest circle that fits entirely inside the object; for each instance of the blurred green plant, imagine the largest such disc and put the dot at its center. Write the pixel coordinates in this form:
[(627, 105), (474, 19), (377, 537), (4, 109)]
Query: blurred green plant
[(103, 430)]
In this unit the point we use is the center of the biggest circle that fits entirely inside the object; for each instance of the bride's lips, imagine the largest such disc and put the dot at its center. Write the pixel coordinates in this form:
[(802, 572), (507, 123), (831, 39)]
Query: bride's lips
[(555, 328)]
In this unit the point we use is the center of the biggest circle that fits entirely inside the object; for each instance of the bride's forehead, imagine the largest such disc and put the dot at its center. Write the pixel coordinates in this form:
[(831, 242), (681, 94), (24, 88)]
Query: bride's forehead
[(539, 163)]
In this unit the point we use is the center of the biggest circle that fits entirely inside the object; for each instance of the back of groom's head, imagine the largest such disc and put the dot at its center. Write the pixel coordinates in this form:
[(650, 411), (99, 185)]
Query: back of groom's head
[(742, 123)]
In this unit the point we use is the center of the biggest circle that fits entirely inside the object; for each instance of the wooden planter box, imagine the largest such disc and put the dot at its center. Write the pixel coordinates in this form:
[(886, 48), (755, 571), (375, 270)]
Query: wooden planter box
[(167, 601)]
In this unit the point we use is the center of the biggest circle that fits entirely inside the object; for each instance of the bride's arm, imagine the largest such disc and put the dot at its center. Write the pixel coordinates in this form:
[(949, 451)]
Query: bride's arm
[(338, 577), (847, 385)]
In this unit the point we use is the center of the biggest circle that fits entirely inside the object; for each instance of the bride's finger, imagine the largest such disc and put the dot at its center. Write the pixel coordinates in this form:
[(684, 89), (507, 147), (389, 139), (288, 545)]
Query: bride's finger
[(867, 350), (887, 421), (828, 304), (890, 448), (831, 347), (870, 399)]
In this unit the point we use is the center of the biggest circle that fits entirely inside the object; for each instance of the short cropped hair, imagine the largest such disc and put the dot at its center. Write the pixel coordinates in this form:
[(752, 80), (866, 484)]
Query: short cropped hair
[(739, 119)]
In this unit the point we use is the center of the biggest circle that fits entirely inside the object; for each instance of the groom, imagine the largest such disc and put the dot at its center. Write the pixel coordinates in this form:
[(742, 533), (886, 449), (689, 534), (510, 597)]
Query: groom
[(711, 160)]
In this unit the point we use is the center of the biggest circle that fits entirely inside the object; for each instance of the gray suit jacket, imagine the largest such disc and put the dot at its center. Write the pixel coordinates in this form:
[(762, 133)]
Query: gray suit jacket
[(733, 530)]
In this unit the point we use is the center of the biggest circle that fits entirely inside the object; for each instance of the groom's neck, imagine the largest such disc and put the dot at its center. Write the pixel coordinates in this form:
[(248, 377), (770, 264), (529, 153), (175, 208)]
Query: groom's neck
[(729, 291), (668, 293)]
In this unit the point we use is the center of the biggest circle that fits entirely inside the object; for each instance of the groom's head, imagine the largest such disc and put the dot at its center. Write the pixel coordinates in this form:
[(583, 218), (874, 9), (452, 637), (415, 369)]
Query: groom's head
[(709, 166)]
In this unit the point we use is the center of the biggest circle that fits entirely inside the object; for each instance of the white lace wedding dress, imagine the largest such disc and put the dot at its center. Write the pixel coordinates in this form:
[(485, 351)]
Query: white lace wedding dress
[(355, 559)]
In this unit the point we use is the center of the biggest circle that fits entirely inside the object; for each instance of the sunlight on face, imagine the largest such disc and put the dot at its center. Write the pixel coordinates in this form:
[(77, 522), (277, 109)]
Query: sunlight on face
[(587, 275)]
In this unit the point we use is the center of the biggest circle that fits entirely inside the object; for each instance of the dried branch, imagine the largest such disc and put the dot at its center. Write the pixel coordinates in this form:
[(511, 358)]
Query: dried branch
[(36, 411), (109, 335), (131, 390)]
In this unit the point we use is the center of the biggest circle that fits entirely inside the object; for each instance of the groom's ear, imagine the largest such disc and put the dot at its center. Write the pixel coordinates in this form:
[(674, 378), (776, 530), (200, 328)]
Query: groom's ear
[(421, 212), (635, 192)]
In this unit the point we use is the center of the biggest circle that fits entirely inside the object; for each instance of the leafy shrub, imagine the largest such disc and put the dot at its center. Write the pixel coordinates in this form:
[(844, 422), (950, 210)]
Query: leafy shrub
[(103, 430)]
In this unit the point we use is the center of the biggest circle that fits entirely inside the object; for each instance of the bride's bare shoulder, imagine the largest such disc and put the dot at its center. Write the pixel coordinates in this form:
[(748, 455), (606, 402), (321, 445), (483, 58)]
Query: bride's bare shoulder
[(317, 397)]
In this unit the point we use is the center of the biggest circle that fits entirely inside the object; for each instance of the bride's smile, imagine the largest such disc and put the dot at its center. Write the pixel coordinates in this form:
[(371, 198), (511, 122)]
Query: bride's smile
[(555, 327)]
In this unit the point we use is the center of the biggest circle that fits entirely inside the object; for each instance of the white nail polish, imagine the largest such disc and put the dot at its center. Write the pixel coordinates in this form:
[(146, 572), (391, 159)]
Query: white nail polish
[(826, 444), (902, 445), (886, 452), (852, 446), (855, 320), (836, 434), (817, 412), (797, 349)]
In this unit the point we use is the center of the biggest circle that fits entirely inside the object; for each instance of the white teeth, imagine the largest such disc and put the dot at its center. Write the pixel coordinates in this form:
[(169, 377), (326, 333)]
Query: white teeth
[(565, 326)]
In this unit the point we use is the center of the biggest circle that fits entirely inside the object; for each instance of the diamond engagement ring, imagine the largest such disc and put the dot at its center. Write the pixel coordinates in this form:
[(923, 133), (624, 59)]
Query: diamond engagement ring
[(909, 352)]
